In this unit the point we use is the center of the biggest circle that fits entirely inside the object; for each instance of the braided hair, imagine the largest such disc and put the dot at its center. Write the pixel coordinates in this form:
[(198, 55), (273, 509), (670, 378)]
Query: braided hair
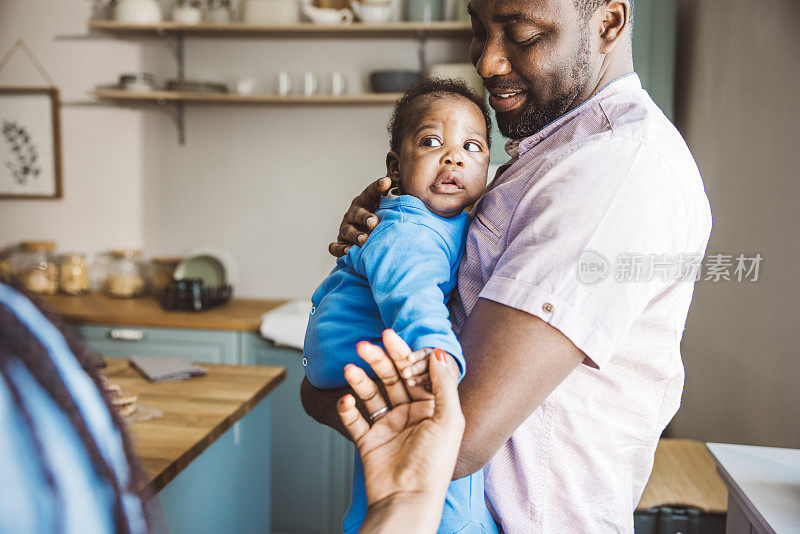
[(19, 346)]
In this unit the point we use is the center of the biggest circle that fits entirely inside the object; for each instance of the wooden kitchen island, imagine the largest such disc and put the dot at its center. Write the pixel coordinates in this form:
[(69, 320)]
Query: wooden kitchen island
[(207, 459)]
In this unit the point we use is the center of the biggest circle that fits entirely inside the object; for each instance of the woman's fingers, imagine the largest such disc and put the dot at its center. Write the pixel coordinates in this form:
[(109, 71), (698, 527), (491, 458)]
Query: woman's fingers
[(352, 419), (444, 384), (385, 370), (364, 388)]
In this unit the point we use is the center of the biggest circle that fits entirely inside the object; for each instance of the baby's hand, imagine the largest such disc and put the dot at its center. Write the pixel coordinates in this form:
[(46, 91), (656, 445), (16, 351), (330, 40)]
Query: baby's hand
[(414, 368)]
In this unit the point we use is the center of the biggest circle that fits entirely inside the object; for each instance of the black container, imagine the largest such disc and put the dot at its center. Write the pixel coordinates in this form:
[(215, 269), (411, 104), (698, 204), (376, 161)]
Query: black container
[(393, 81), (190, 295)]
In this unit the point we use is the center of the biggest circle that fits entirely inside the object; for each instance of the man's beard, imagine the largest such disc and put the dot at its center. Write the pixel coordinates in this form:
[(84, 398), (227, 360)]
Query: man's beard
[(532, 118)]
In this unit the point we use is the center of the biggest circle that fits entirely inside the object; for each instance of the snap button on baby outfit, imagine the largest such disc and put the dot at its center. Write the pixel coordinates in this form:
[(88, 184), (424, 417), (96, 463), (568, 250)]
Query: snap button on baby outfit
[(547, 307)]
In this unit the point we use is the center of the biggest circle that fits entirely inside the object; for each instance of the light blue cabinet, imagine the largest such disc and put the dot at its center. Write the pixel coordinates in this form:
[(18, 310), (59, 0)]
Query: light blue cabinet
[(207, 346), (310, 466)]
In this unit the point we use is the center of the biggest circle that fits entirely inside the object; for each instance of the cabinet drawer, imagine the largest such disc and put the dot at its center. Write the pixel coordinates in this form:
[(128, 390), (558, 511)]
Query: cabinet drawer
[(194, 345)]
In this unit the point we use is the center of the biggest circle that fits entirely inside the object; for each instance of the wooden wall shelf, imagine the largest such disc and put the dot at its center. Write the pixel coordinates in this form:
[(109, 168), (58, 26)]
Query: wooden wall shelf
[(237, 29), (161, 97)]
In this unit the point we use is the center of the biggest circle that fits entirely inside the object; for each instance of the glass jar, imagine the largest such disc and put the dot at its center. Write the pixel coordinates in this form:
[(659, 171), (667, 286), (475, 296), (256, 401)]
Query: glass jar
[(34, 268), (125, 277), (73, 274), (187, 12), (162, 273), (218, 11), (5, 264)]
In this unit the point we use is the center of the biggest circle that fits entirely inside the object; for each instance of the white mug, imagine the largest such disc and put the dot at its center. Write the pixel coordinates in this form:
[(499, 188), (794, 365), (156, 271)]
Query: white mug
[(284, 83), (372, 13), (309, 84), (279, 12), (338, 83)]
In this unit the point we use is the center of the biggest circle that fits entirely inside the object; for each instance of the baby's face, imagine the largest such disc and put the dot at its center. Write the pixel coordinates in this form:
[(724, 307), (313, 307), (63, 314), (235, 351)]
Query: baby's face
[(444, 156)]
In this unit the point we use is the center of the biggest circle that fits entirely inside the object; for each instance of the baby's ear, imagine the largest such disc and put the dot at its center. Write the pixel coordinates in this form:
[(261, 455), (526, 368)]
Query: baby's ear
[(393, 167)]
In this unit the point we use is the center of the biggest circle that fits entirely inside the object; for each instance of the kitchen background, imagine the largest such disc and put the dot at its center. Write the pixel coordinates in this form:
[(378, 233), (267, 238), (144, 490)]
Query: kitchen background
[(270, 183)]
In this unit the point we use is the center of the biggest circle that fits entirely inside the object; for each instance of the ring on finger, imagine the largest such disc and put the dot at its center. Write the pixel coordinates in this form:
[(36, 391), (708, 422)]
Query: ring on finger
[(377, 415)]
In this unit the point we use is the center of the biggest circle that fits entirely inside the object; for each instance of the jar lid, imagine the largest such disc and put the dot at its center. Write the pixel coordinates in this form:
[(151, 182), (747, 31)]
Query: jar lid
[(38, 246), (72, 256), (167, 260), (125, 252)]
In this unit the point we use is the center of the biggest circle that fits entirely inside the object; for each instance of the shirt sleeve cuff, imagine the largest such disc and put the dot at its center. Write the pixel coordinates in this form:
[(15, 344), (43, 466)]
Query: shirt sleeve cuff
[(443, 342), (596, 345)]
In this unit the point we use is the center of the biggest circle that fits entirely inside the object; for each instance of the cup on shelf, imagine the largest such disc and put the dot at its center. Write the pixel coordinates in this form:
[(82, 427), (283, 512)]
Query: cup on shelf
[(424, 10), (309, 84), (372, 12), (268, 12), (283, 85), (188, 12), (246, 86), (338, 83)]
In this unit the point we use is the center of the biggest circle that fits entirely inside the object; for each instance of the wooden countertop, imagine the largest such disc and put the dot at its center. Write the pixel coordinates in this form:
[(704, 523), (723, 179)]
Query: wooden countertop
[(684, 474), (242, 315), (196, 412)]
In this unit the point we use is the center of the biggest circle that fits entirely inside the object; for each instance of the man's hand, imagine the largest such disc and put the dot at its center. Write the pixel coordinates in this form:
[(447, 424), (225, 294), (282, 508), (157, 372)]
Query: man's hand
[(360, 220)]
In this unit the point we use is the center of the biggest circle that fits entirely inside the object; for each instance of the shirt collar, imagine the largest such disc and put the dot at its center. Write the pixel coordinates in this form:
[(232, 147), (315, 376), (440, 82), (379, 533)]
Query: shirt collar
[(517, 147)]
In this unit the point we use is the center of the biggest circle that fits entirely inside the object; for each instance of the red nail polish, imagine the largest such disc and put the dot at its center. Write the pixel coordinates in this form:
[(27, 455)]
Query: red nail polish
[(439, 353)]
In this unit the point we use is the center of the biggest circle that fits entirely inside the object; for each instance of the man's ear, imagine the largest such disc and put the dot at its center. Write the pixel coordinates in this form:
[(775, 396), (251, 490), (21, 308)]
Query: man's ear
[(615, 18), (393, 167)]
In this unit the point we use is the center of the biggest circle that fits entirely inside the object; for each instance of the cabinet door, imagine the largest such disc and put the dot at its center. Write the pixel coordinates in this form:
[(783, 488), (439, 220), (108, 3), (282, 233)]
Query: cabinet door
[(206, 346), (312, 465)]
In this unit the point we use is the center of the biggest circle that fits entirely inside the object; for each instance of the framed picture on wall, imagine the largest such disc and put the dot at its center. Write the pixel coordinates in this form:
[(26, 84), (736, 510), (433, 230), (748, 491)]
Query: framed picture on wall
[(30, 143)]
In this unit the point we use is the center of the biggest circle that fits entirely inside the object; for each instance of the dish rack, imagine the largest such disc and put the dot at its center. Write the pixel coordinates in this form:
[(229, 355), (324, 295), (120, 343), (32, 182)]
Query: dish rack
[(190, 294)]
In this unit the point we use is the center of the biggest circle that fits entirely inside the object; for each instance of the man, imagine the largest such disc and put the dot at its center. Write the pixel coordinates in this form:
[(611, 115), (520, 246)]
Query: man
[(573, 367)]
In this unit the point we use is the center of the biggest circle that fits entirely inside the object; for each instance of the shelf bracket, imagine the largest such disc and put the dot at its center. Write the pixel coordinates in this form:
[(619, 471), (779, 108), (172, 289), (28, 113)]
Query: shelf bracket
[(178, 49), (422, 41), (176, 112)]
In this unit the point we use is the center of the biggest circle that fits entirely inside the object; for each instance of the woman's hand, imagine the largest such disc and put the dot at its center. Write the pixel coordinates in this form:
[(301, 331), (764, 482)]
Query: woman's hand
[(410, 449), (360, 220)]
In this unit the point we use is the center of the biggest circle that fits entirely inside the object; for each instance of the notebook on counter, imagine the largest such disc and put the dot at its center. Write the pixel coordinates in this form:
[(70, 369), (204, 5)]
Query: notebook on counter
[(165, 368)]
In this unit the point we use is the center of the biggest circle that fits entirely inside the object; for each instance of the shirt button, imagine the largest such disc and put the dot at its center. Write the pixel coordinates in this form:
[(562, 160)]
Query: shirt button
[(547, 307), (305, 362), (313, 309)]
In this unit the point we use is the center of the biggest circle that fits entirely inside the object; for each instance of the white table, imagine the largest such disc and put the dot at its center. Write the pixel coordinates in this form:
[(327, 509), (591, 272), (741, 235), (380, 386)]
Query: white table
[(763, 488)]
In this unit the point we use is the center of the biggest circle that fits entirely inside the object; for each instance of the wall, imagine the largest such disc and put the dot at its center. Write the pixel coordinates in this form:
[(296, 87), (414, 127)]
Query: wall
[(102, 166), (737, 107), (269, 184)]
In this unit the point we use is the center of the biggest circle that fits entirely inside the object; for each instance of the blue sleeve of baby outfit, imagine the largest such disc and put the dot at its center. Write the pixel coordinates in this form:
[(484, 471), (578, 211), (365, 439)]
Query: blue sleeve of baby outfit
[(407, 265)]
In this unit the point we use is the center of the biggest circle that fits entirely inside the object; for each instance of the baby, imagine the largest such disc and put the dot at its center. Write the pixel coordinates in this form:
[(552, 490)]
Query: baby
[(402, 276)]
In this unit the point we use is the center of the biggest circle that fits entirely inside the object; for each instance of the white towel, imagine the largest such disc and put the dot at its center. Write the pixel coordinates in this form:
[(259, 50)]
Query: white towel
[(286, 324)]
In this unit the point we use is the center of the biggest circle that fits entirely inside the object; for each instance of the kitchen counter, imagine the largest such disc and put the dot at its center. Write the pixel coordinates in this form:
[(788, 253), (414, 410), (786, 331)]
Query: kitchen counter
[(241, 315), (196, 412), (764, 487), (684, 474)]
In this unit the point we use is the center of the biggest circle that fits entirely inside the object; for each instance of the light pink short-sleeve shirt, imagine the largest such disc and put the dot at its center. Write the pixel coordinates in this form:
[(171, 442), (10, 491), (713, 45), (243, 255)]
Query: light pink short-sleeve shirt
[(591, 229)]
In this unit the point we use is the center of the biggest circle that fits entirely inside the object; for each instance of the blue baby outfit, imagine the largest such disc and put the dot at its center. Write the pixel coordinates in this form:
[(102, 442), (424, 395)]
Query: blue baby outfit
[(400, 278)]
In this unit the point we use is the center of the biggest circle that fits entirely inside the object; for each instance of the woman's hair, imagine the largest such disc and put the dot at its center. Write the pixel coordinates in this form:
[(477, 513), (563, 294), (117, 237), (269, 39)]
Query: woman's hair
[(18, 344), (405, 109)]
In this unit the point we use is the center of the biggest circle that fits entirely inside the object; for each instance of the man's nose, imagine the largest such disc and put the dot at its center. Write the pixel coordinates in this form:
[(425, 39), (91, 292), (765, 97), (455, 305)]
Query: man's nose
[(493, 60), (452, 157)]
